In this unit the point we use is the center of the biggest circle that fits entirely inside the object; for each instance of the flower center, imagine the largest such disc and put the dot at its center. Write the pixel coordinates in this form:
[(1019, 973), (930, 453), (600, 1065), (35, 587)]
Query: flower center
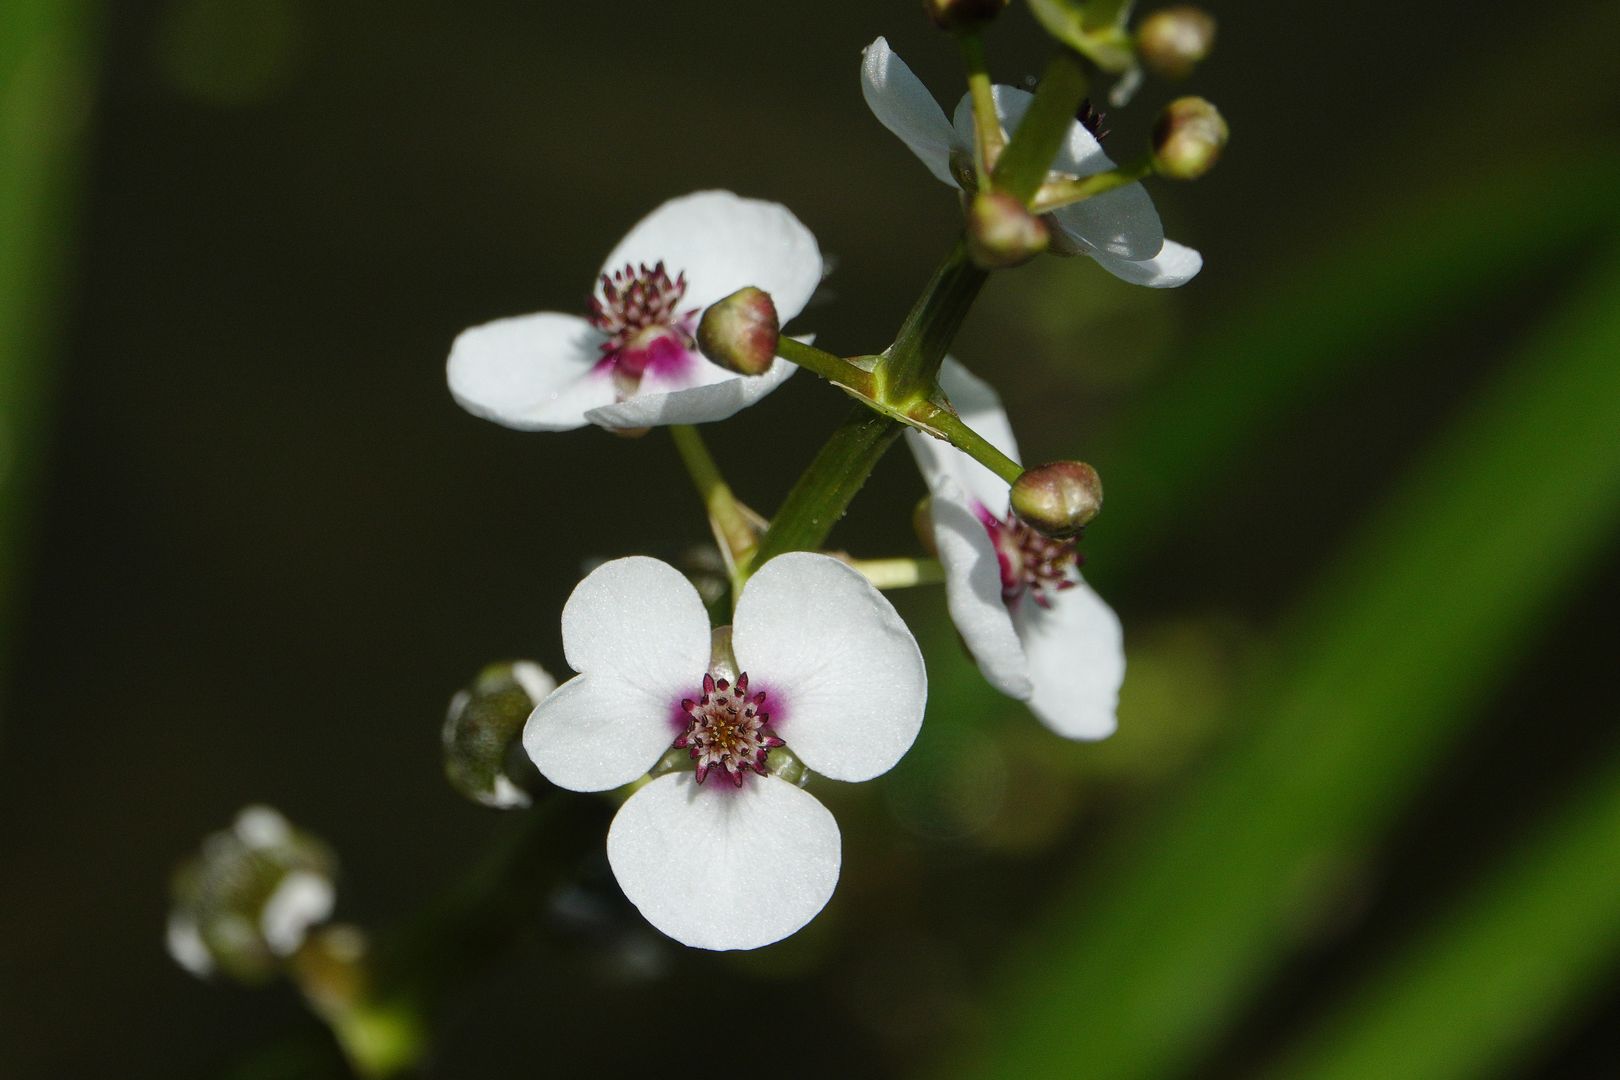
[(1031, 562), (727, 728), (639, 311)]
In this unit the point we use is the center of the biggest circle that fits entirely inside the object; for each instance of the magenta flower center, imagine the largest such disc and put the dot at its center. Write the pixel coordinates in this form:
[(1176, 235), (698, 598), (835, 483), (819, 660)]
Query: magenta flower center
[(639, 311), (727, 729), (1031, 563)]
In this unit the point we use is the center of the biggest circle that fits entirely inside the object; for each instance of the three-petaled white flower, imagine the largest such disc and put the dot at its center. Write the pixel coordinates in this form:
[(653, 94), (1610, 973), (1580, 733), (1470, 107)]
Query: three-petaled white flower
[(1119, 228), (727, 855), (632, 361), (1037, 630)]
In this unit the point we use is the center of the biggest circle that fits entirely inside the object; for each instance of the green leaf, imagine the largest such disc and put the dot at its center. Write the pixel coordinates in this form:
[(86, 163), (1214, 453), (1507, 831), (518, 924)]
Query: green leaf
[(1137, 967)]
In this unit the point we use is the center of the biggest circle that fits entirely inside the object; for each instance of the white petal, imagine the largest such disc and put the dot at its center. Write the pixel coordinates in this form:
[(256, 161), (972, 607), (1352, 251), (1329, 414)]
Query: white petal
[(722, 242), (903, 105), (1122, 222), (979, 407), (844, 676), (595, 733), (717, 867), (973, 593), (300, 900), (186, 946), (1077, 661), (638, 620), (717, 395), (1175, 265), (533, 372)]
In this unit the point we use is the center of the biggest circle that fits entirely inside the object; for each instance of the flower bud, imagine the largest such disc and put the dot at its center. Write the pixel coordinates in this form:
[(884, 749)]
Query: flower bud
[(1173, 41), (484, 727), (922, 523), (246, 901), (739, 333), (1187, 139), (1058, 499), (1002, 232), (962, 14)]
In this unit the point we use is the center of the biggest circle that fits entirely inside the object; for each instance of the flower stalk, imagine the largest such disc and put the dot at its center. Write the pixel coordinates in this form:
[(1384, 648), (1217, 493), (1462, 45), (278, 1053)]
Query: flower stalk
[(907, 371), (988, 138), (732, 529)]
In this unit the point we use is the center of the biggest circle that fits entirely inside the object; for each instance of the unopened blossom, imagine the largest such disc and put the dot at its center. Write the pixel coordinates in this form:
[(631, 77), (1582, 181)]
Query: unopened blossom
[(1037, 631), (723, 853), (630, 360), (1119, 228)]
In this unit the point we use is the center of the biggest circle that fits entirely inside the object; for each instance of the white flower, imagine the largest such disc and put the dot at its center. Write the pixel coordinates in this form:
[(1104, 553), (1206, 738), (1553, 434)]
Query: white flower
[(1037, 630), (729, 855), (1120, 228), (631, 362)]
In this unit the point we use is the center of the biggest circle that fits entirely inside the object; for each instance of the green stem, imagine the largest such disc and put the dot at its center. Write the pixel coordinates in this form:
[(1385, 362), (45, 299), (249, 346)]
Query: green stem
[(944, 424), (1028, 158), (988, 138), (835, 369), (1054, 194), (900, 573), (824, 492), (908, 368), (732, 529)]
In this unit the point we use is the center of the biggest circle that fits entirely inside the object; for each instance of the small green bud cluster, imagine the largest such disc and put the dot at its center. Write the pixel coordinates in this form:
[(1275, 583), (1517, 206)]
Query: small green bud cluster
[(483, 730), (244, 904)]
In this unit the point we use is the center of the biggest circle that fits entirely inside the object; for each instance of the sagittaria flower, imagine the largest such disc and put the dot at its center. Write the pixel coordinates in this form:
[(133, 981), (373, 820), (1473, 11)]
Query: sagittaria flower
[(1119, 228), (725, 854), (1036, 629), (631, 361)]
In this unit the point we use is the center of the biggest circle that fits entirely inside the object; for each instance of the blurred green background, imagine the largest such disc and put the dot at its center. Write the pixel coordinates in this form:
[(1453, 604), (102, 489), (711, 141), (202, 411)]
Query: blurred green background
[(1362, 818)]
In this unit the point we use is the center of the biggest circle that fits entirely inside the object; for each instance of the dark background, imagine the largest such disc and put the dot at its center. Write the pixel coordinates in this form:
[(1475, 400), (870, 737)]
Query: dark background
[(269, 546)]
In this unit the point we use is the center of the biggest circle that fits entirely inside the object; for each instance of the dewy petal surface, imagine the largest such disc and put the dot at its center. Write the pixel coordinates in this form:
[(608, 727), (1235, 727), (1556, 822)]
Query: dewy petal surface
[(717, 395), (640, 622), (717, 867), (903, 105), (1076, 661), (1174, 266), (722, 242), (1121, 222), (973, 592), (533, 372), (594, 733), (845, 675)]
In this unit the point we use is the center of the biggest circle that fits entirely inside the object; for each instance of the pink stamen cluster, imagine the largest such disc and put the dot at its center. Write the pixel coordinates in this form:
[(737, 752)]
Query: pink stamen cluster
[(1031, 562), (727, 728), (634, 300)]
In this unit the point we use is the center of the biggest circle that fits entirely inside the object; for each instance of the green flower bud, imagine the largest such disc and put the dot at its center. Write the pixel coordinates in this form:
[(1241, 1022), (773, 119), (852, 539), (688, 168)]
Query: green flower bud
[(962, 14), (1002, 232), (1187, 139), (739, 333), (245, 903), (484, 728), (1058, 499), (1172, 42)]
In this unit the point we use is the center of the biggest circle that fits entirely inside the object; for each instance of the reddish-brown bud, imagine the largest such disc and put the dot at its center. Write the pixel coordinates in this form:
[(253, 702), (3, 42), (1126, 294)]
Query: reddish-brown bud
[(1058, 499), (739, 333), (1172, 42), (1188, 139), (1002, 232)]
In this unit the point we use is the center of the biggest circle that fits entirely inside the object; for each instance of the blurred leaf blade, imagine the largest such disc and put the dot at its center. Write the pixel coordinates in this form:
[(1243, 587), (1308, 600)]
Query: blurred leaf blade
[(45, 56), (1134, 969), (1471, 996), (1435, 254)]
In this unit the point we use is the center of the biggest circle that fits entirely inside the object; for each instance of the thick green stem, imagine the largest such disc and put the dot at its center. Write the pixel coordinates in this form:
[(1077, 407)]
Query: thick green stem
[(908, 368), (824, 492), (1028, 157), (732, 529), (988, 138)]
